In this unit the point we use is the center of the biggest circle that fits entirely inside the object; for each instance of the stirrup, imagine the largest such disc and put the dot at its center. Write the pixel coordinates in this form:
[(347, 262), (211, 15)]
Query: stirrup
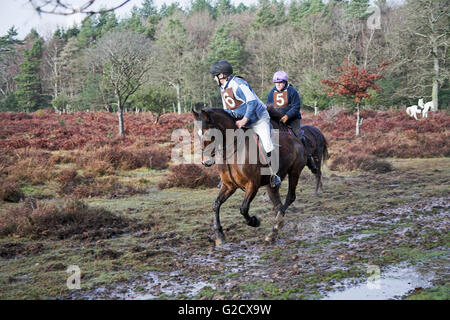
[(275, 181)]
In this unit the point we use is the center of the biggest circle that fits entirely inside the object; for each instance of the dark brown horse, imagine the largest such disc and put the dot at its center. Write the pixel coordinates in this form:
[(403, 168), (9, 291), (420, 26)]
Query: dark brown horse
[(247, 176), (315, 139)]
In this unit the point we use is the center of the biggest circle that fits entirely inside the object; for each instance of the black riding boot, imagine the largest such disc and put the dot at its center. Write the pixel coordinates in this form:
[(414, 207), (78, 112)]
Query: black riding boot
[(309, 160), (275, 180)]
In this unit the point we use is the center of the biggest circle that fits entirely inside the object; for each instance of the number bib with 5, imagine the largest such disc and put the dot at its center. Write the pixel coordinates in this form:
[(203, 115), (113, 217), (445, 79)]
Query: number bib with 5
[(230, 101), (280, 99)]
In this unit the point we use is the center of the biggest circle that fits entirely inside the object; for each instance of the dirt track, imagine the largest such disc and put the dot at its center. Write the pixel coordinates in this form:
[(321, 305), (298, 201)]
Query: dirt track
[(397, 223), (322, 248)]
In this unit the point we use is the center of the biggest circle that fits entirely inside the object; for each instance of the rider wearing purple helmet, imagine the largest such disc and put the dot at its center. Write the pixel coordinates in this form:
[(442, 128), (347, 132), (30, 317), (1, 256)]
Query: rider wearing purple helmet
[(286, 99)]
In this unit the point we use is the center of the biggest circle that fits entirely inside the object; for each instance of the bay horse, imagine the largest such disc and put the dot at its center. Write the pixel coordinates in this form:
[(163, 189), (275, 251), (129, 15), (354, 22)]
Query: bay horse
[(247, 176)]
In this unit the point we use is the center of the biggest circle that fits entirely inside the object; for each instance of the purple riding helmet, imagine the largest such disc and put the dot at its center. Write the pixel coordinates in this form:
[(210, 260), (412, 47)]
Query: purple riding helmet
[(280, 76)]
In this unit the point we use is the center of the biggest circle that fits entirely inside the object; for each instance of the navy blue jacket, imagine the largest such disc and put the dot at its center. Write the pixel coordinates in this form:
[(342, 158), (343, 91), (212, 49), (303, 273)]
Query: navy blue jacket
[(292, 110)]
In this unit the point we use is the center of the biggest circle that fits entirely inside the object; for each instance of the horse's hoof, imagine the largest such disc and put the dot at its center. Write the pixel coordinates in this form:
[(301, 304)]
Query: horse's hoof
[(270, 238), (254, 222), (220, 241)]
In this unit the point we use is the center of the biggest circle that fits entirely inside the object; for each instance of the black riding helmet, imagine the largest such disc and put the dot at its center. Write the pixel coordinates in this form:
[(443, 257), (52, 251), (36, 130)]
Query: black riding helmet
[(221, 66)]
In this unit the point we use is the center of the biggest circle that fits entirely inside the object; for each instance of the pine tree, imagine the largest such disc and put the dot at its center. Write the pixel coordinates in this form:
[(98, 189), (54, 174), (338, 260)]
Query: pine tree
[(225, 47), (148, 9), (29, 91), (201, 5), (358, 9), (106, 22), (224, 7), (7, 42), (88, 32), (270, 13)]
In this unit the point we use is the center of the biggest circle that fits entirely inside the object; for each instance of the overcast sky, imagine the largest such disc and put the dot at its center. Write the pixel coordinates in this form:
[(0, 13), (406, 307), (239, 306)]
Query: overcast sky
[(21, 14)]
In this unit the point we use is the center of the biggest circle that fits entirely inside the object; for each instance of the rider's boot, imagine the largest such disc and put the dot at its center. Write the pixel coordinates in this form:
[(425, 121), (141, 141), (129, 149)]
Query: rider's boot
[(275, 180)]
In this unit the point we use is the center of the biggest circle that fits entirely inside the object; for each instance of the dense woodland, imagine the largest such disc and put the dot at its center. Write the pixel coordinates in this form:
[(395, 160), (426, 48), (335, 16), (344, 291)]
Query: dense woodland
[(157, 59)]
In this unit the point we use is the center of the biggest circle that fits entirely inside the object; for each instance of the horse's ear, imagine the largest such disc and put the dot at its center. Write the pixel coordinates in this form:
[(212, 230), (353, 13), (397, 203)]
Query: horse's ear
[(194, 112)]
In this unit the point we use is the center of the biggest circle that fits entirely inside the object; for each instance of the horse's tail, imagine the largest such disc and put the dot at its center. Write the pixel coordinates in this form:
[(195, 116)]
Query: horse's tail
[(320, 138)]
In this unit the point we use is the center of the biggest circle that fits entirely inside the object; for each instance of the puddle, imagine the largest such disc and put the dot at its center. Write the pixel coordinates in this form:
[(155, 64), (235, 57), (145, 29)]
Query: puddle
[(393, 283), (155, 285)]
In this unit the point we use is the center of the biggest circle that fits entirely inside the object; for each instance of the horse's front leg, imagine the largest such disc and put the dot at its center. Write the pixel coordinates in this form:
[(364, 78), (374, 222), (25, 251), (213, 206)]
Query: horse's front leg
[(274, 195), (250, 193), (290, 197), (224, 193)]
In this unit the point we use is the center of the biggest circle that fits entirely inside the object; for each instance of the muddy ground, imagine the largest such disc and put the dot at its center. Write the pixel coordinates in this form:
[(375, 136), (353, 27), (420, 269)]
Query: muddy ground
[(383, 236)]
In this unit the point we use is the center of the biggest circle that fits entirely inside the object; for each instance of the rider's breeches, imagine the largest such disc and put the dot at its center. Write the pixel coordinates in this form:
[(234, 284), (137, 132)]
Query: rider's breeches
[(262, 129), (295, 125)]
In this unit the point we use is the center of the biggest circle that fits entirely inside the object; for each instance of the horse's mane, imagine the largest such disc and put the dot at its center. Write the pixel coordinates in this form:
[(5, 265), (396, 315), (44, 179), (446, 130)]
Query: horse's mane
[(219, 112)]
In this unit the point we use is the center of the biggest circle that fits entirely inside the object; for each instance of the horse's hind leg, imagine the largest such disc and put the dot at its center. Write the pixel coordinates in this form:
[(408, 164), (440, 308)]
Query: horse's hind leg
[(224, 194), (318, 177)]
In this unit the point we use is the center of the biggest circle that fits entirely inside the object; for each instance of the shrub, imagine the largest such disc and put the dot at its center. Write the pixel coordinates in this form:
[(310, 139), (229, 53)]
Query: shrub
[(73, 217), (98, 168), (131, 158), (190, 176), (68, 180), (10, 191), (86, 186), (362, 161)]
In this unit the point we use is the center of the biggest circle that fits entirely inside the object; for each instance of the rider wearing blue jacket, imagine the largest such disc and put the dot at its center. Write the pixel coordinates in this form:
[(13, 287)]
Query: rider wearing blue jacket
[(239, 100), (286, 99)]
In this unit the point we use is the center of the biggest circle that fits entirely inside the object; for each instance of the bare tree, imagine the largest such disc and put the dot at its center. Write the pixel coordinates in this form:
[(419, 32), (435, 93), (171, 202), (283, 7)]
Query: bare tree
[(420, 42), (434, 30), (52, 66), (123, 58), (65, 8), (173, 56)]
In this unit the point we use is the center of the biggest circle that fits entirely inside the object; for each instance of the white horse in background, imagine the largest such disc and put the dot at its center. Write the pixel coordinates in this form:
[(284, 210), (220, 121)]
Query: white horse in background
[(429, 105), (421, 108), (413, 111)]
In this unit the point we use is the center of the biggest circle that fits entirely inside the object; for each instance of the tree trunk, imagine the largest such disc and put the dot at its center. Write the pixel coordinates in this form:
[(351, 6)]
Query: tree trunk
[(366, 49), (358, 121), (315, 108), (177, 87), (435, 91), (120, 116)]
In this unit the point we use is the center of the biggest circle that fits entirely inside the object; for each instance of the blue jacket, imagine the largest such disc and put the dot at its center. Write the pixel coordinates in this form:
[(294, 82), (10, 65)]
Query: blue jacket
[(250, 106), (292, 110)]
